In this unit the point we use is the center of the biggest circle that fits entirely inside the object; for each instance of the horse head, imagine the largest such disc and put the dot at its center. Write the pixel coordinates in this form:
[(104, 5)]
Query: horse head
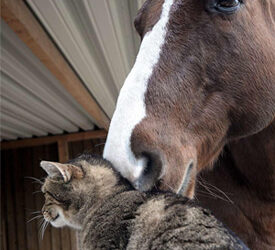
[(204, 76)]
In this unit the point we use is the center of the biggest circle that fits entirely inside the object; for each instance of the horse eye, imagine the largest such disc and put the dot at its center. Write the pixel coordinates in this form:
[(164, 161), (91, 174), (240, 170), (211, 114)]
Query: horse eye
[(227, 6), (223, 6)]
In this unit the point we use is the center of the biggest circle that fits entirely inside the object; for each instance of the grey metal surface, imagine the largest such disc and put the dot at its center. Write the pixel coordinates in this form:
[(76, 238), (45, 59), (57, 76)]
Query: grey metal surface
[(97, 37)]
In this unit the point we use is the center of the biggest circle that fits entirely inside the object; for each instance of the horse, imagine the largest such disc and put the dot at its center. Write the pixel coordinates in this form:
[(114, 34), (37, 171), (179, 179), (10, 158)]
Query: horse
[(195, 115)]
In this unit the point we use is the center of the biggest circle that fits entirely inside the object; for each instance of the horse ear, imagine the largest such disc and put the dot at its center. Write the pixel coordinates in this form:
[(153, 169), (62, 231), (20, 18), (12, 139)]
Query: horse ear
[(67, 171)]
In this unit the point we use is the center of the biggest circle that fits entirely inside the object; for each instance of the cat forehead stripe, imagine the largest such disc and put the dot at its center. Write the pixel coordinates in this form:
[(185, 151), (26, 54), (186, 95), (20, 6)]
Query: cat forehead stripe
[(131, 102)]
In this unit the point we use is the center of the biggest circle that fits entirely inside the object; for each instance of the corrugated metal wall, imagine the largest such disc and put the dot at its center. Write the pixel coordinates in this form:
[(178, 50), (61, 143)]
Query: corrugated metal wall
[(98, 39), (19, 197), (33, 103)]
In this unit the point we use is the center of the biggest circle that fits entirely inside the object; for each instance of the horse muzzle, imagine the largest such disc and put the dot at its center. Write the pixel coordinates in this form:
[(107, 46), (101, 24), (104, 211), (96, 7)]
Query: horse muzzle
[(177, 176)]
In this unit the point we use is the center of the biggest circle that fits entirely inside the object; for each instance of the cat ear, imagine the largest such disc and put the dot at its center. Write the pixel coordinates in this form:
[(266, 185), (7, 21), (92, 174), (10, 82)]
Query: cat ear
[(66, 170)]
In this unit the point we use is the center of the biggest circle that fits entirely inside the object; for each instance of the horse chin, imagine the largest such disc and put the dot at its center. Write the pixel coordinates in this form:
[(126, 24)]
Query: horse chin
[(183, 183)]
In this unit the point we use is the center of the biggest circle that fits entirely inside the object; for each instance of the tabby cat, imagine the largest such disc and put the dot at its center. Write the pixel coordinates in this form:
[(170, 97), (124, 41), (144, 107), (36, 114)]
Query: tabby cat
[(87, 194)]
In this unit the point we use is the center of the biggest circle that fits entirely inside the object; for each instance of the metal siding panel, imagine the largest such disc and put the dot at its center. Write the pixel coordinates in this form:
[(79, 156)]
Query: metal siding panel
[(65, 25), (19, 62), (14, 131), (5, 135), (21, 125), (98, 39), (32, 95), (28, 116), (20, 96)]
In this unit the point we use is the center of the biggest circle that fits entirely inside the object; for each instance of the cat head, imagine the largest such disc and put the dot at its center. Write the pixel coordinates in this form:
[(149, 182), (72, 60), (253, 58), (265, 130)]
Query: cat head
[(71, 189)]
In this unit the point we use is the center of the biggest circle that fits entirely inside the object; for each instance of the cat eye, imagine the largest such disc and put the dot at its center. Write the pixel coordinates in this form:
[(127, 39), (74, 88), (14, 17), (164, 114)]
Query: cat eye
[(56, 197), (223, 6)]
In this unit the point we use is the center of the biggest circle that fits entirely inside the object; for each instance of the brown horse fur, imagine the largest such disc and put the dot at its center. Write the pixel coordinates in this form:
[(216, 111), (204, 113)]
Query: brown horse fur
[(247, 170), (214, 86), (89, 195)]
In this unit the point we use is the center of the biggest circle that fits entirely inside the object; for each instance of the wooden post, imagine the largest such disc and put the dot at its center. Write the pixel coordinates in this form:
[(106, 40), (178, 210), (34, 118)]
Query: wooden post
[(63, 151)]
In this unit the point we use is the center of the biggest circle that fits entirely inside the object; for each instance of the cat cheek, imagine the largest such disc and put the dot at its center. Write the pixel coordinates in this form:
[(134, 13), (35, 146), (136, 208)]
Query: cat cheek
[(59, 222)]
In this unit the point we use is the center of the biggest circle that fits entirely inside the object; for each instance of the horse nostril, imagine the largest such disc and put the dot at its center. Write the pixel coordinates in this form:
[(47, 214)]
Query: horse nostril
[(151, 172)]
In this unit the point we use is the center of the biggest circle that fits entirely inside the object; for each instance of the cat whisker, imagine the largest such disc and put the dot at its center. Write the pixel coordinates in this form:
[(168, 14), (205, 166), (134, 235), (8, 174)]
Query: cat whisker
[(35, 217), (36, 180), (37, 192), (40, 222), (42, 228), (36, 212)]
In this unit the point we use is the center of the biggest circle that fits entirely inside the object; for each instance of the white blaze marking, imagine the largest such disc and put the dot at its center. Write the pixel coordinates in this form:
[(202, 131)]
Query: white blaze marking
[(130, 109)]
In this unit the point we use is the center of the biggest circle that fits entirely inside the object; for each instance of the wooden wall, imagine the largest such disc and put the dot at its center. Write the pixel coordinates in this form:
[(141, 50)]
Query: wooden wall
[(20, 199)]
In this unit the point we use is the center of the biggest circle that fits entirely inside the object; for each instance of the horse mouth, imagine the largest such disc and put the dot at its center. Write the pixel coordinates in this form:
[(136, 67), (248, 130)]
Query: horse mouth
[(159, 174), (182, 183)]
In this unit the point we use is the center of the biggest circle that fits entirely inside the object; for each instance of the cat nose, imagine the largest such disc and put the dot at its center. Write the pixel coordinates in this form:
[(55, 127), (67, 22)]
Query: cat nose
[(150, 173)]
